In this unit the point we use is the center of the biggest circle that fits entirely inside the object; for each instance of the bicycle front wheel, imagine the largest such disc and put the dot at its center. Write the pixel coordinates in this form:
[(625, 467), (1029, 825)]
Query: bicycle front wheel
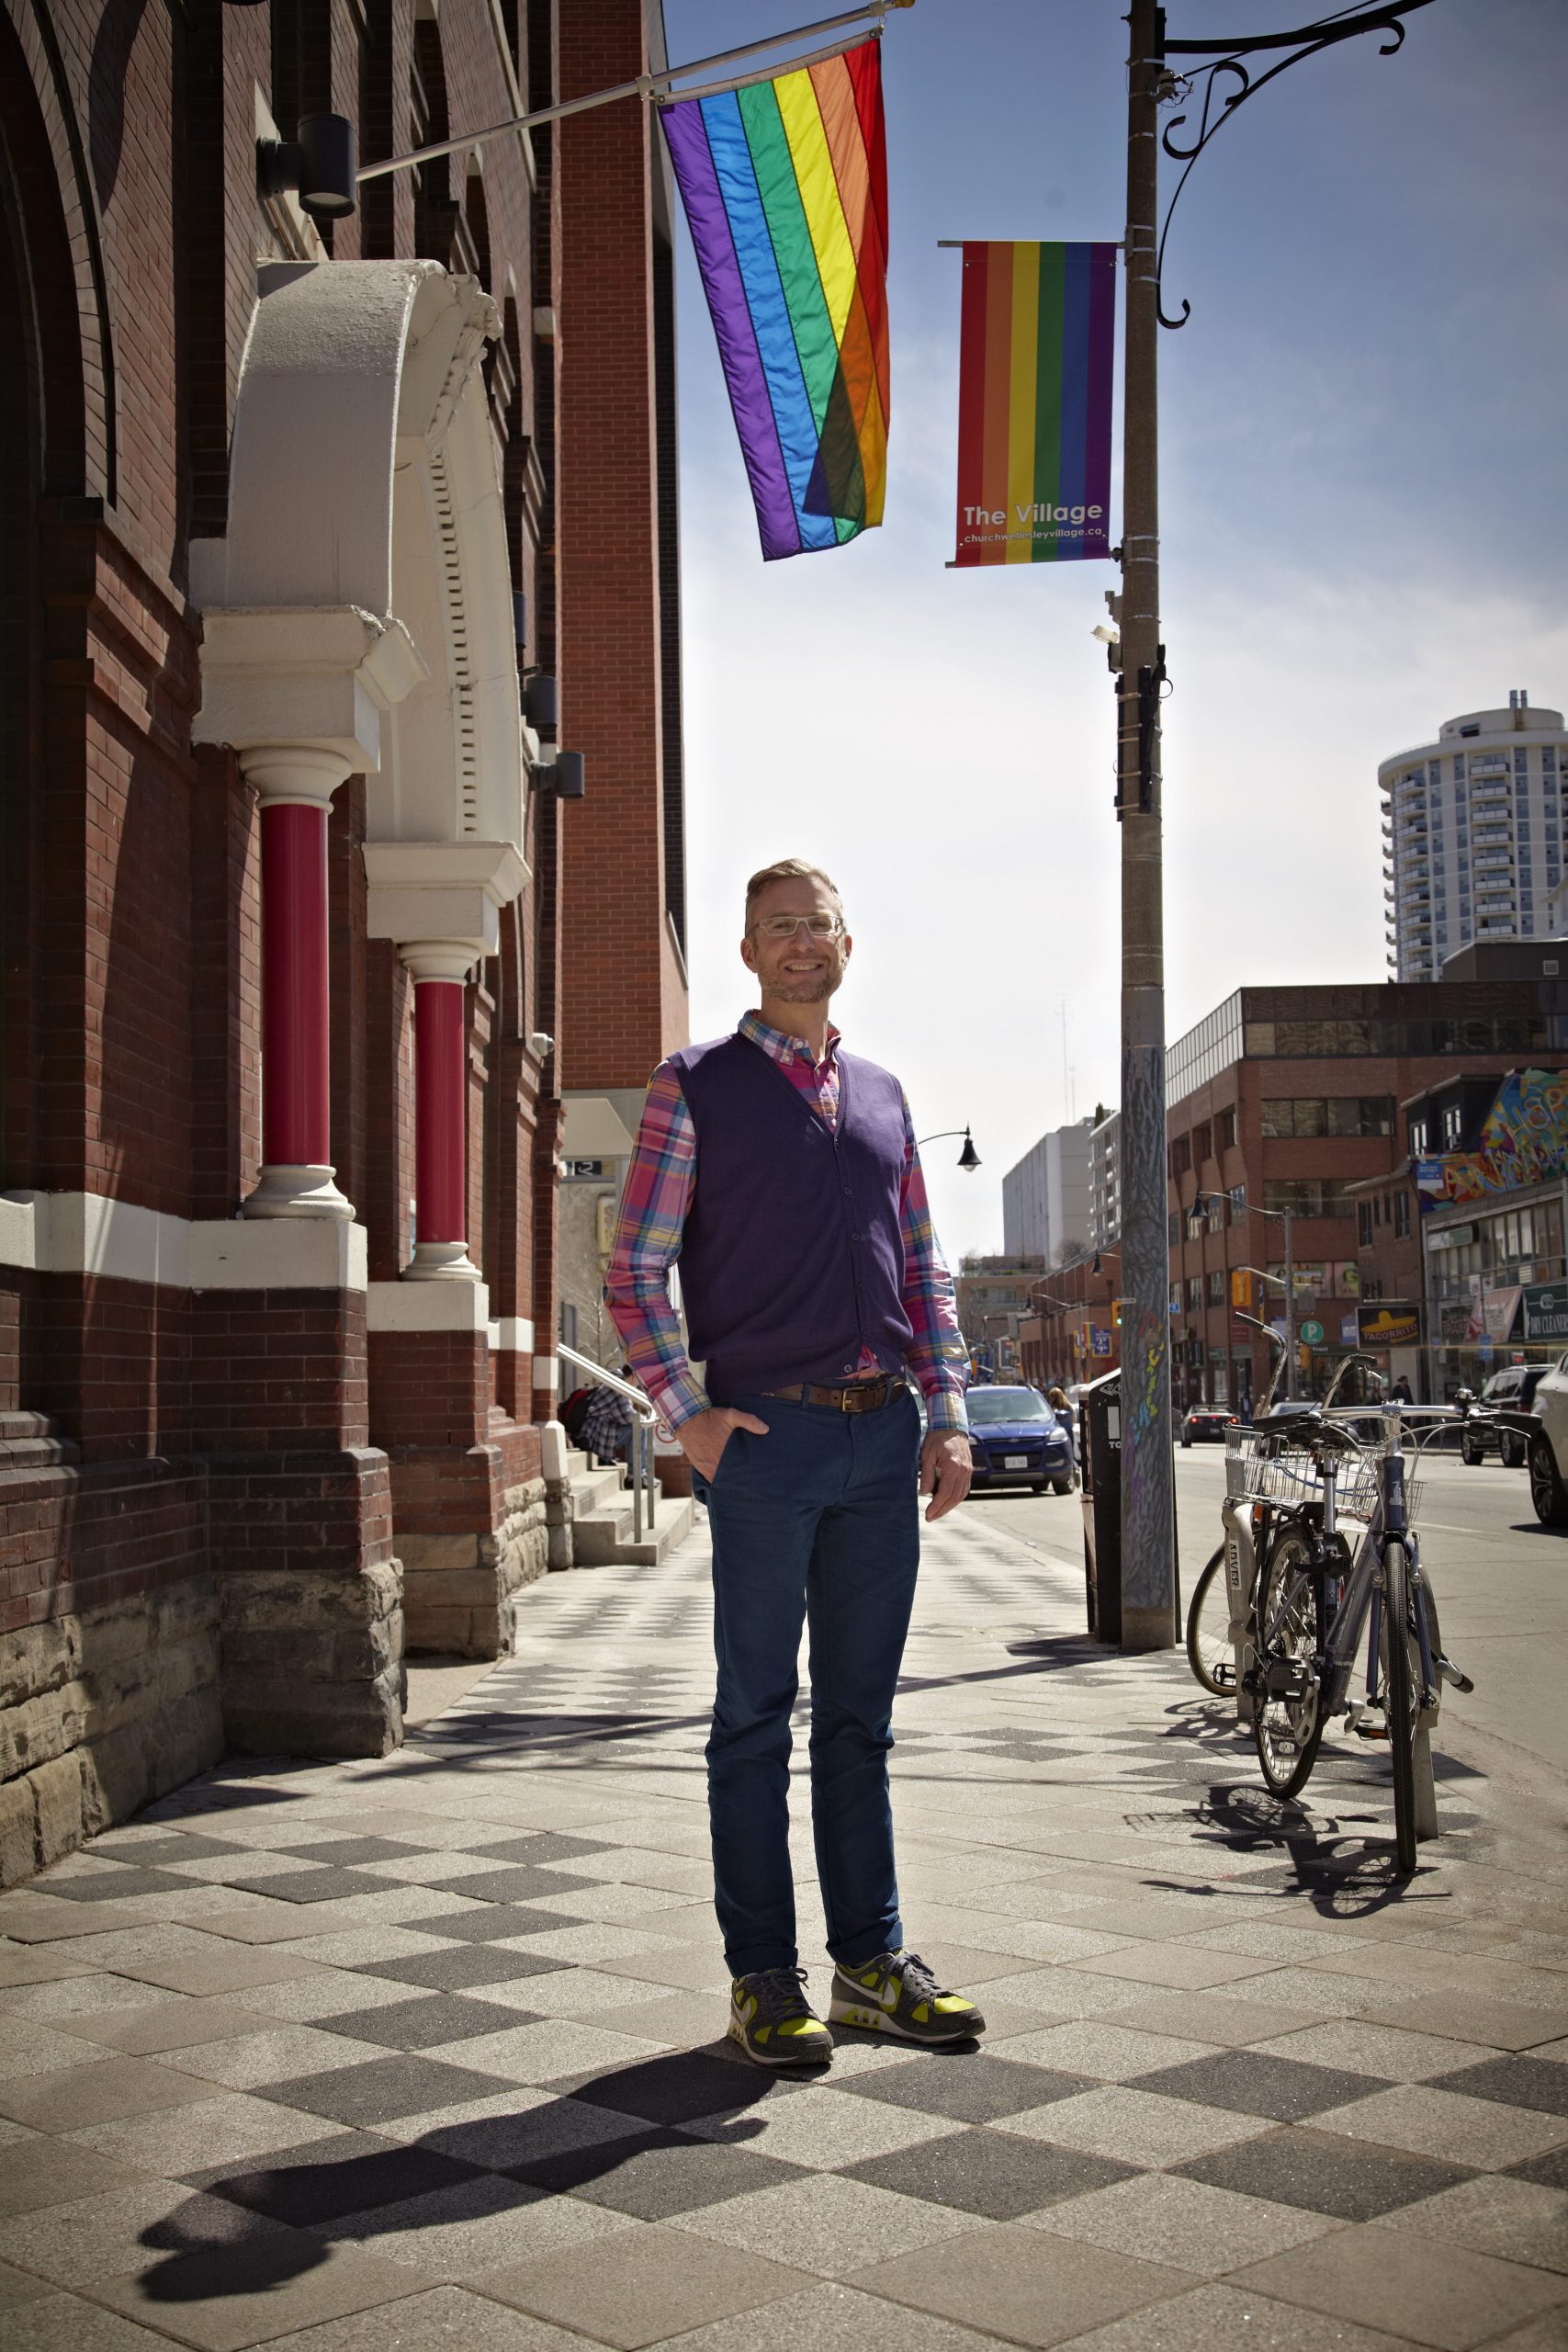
[(1287, 1721), (1209, 1651), (1400, 1667)]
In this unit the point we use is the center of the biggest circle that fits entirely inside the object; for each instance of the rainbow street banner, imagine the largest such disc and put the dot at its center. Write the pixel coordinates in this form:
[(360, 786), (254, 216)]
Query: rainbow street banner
[(784, 182), (1037, 337)]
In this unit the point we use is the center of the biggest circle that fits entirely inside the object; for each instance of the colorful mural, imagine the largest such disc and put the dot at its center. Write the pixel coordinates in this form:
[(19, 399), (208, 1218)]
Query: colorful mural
[(1524, 1141)]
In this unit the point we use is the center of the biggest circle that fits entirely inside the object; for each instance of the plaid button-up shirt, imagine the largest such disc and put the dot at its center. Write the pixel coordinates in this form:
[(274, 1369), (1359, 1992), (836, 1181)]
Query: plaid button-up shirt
[(654, 1208)]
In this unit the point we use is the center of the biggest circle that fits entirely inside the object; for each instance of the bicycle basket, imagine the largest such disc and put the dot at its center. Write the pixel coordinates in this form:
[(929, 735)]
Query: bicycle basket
[(1262, 1468)]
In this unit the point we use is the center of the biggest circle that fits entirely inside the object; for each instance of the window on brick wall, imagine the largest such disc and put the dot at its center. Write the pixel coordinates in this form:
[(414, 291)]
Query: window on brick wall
[(1237, 1198), (1202, 1143), (1337, 1114), (1307, 1195), (1194, 1293), (1224, 1131), (1216, 1284), (1364, 1223), (1180, 1155), (434, 212), (1401, 1216)]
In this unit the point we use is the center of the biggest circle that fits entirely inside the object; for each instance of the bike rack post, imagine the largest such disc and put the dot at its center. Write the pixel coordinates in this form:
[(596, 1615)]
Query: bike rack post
[(637, 1477)]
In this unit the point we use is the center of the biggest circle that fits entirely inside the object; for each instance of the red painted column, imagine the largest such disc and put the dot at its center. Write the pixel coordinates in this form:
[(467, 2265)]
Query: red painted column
[(296, 1116), (296, 785), (441, 1078), (441, 1166)]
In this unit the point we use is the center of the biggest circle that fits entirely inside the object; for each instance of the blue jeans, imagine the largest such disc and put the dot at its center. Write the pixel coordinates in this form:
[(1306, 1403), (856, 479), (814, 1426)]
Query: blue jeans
[(815, 1522)]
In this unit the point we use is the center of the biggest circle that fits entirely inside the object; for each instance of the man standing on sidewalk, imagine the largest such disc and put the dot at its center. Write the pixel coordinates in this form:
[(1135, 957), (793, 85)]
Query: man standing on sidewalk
[(781, 1173)]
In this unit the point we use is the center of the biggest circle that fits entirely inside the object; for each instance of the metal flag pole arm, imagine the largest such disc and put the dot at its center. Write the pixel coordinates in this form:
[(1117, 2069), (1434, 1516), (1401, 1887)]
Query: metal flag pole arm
[(1307, 41), (646, 85)]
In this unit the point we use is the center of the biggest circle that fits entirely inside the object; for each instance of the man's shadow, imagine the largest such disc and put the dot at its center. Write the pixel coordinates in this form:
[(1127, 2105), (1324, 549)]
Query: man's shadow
[(284, 2218)]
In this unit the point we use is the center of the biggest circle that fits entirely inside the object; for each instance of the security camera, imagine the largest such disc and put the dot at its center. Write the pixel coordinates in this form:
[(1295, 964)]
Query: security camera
[(1107, 633), (539, 1045)]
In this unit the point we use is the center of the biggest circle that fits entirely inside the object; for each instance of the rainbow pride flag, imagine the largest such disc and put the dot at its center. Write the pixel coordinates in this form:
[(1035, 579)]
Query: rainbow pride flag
[(785, 184), (1037, 334)]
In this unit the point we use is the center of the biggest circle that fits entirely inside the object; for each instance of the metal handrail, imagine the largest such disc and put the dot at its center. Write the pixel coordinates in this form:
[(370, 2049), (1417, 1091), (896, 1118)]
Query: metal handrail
[(611, 1380), (645, 1417)]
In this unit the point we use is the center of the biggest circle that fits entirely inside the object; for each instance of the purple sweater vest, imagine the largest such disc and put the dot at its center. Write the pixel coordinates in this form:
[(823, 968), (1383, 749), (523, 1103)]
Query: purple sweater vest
[(793, 1254)]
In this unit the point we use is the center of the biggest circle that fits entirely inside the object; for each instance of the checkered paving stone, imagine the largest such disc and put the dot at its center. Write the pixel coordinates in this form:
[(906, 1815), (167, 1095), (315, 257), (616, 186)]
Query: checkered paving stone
[(217, 2142)]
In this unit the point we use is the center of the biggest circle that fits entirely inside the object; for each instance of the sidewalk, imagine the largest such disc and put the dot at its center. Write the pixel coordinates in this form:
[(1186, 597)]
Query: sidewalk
[(424, 2053)]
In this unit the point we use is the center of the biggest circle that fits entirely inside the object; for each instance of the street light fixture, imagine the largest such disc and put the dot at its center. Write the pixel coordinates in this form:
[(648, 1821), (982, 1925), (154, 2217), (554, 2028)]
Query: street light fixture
[(968, 1158)]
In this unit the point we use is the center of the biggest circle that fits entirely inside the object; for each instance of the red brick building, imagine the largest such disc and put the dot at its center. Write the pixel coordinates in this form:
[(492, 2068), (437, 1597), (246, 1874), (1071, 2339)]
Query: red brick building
[(1292, 1098), (305, 956)]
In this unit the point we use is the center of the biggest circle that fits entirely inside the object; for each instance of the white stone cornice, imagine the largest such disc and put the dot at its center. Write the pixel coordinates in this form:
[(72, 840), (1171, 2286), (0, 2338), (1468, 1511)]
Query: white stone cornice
[(428, 1306), (87, 1233), (445, 892), (303, 676)]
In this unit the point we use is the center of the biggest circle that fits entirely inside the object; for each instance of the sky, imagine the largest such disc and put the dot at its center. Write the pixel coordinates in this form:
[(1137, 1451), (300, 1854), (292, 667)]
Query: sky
[(1364, 531)]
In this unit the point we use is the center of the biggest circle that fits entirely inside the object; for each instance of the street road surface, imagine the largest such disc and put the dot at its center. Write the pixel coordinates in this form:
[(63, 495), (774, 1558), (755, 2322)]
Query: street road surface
[(1500, 1578)]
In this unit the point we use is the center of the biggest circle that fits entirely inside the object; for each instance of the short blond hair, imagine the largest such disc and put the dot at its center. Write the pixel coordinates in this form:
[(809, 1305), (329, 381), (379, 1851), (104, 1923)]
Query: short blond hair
[(788, 869)]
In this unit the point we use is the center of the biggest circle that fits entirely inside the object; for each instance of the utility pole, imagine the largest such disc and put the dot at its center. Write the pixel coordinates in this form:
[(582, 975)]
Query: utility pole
[(1218, 80), (1148, 1547)]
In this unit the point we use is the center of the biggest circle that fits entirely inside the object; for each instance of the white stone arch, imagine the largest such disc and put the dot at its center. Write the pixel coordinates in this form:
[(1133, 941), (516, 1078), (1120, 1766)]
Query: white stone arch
[(359, 606)]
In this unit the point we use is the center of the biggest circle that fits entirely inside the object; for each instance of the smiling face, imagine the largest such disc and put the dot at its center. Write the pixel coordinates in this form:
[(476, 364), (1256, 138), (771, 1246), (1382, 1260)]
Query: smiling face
[(799, 967)]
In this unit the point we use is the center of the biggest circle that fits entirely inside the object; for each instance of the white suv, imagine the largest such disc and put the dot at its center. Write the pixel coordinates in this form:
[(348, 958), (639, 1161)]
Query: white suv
[(1549, 1447)]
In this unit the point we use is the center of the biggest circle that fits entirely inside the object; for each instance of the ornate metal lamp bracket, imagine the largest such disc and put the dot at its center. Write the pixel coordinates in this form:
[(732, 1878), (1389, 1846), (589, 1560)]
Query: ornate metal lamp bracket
[(1219, 104)]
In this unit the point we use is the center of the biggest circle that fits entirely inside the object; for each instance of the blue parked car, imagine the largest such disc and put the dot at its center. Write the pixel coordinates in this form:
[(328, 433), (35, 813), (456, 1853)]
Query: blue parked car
[(1017, 1441)]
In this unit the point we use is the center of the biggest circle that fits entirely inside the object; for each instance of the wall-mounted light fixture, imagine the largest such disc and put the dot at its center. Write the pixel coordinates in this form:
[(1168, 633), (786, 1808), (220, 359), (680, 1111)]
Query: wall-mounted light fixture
[(318, 166), (565, 777), (541, 704)]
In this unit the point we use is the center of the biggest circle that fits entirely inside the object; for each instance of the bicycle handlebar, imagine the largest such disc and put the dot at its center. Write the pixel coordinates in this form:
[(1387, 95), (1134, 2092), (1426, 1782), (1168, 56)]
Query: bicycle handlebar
[(1320, 1425)]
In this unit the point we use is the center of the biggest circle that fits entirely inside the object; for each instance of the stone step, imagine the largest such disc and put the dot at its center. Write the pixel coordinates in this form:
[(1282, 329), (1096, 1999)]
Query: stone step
[(595, 1490), (30, 1441), (36, 1452), (598, 1536), (604, 1539), (15, 1425), (677, 1517)]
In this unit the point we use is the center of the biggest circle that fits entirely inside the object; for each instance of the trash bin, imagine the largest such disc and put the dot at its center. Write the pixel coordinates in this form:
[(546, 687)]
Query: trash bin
[(1100, 1427), (1099, 1423)]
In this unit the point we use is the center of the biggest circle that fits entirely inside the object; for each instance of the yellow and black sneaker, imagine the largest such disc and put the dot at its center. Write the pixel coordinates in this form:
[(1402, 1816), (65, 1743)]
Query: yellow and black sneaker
[(774, 2023), (897, 1994)]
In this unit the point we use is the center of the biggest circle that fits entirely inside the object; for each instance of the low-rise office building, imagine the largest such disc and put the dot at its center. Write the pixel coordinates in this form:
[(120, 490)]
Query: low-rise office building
[(993, 1297), (1045, 1198)]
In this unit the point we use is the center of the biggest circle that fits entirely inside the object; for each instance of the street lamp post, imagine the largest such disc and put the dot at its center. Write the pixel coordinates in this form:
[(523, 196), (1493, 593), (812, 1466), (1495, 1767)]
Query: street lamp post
[(1148, 1534), (1196, 1218), (1148, 1494)]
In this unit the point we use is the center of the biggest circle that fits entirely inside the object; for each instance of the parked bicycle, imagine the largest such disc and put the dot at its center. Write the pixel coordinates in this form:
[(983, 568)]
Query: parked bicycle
[(1298, 1596), (1211, 1649)]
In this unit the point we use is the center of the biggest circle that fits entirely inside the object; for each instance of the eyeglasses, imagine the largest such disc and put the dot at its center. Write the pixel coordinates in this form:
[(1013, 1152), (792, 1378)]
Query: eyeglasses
[(786, 926)]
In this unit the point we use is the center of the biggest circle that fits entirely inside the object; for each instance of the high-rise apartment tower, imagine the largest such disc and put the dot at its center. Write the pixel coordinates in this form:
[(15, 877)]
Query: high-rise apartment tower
[(1472, 832)]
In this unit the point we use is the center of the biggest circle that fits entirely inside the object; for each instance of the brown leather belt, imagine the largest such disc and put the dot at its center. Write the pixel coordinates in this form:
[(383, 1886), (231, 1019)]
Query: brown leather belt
[(845, 1397)]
